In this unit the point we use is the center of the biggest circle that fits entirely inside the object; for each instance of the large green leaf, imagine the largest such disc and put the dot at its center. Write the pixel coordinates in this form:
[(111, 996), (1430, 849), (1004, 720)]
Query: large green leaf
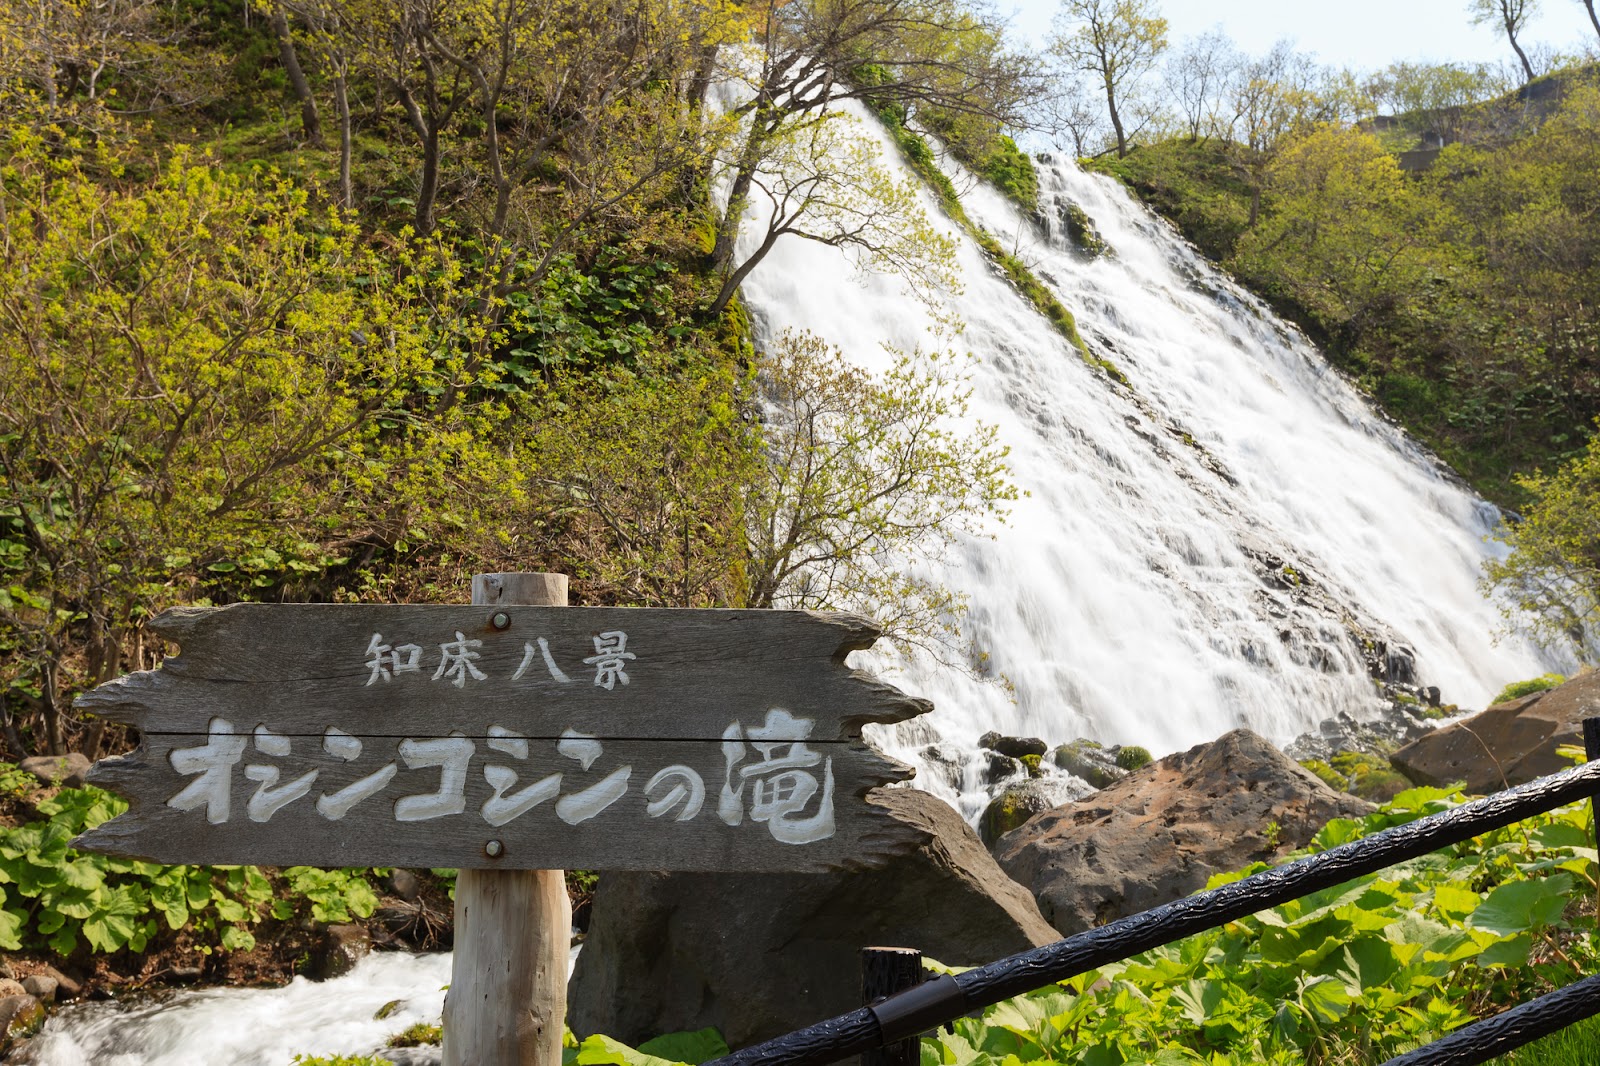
[(1523, 905), (695, 1047)]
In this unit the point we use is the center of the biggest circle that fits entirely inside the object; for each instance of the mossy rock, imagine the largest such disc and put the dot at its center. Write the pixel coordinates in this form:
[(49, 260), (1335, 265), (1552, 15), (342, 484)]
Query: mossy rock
[(1088, 760), (1011, 809), (1081, 231)]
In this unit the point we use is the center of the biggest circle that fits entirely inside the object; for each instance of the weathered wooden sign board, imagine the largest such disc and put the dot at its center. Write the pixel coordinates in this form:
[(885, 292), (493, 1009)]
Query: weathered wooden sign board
[(510, 737)]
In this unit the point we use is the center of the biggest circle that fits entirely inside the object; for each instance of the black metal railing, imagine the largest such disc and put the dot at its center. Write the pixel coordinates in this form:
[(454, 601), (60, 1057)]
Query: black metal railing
[(948, 997)]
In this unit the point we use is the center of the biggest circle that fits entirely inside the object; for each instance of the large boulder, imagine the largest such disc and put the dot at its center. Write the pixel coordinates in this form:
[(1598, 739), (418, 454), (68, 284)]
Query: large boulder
[(757, 954), (1509, 744), (1159, 833)]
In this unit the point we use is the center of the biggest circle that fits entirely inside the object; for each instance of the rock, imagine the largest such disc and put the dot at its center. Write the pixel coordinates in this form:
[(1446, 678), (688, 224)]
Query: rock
[(342, 947), (40, 987), (66, 987), (11, 987), (186, 973), (405, 885), (1396, 726), (20, 1015), (756, 954), (1160, 832), (1088, 760), (1022, 801), (1509, 744), (1001, 768), (71, 769), (945, 763), (1015, 747)]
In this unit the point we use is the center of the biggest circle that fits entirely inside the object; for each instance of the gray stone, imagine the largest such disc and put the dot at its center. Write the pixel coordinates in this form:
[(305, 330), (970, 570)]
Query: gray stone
[(66, 987), (1394, 727), (1022, 801), (1159, 833), (70, 770), (1015, 747), (40, 987), (20, 1015), (756, 954), (405, 885), (342, 947)]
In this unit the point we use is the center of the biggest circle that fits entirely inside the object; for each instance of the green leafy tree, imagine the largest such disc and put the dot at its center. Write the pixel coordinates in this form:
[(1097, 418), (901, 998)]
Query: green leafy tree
[(810, 56), (206, 387), (1551, 578), (1116, 43), (863, 472)]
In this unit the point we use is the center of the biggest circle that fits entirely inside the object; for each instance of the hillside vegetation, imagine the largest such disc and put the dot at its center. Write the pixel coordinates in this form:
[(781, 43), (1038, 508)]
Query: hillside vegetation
[(1465, 297), (337, 301)]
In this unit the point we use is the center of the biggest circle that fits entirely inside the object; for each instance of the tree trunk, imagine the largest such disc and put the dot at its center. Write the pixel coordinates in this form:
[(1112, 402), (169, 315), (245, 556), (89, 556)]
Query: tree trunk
[(738, 199), (297, 77), (428, 192), (1116, 119), (341, 100), (1588, 5), (1511, 35)]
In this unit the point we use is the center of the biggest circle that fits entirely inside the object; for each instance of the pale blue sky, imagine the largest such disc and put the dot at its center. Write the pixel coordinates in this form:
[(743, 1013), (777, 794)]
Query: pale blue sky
[(1366, 34)]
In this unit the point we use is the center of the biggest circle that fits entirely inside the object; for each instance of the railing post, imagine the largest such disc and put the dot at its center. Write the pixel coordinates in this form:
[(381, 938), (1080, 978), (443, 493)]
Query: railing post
[(885, 971)]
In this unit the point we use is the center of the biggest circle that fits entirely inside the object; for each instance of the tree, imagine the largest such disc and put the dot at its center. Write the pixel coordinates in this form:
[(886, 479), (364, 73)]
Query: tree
[(1594, 19), (1116, 42), (808, 485), (1512, 16), (861, 475), (821, 180), (812, 55), (1345, 233), (1551, 578), (206, 389), (1199, 75)]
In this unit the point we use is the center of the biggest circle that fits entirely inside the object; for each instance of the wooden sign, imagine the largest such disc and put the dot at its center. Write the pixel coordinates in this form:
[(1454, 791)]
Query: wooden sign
[(506, 736)]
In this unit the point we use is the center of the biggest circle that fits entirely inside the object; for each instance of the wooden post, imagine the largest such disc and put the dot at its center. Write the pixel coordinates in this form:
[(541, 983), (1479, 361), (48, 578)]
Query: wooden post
[(507, 1003), (885, 971)]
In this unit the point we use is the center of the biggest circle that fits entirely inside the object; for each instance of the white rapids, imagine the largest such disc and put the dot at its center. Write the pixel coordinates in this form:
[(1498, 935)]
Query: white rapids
[(252, 1026)]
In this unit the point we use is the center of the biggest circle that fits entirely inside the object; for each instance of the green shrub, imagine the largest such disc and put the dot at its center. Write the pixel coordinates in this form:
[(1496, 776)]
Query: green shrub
[(1132, 757), (1518, 689)]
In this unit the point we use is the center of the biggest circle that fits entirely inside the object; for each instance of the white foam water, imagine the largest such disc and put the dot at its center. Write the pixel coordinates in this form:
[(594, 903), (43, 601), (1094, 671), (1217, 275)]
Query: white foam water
[(252, 1026)]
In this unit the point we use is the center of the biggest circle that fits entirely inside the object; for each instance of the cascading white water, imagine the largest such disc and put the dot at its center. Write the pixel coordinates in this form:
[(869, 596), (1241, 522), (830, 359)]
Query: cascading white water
[(253, 1026), (1188, 555)]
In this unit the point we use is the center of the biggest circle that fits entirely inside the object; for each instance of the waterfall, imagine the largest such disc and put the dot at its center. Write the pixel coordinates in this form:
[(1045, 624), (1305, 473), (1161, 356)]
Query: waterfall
[(1225, 543)]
